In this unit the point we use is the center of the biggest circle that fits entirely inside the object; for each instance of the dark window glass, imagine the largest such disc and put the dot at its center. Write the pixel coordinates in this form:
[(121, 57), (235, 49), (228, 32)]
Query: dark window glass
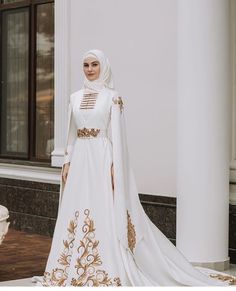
[(44, 81), (10, 1), (14, 109)]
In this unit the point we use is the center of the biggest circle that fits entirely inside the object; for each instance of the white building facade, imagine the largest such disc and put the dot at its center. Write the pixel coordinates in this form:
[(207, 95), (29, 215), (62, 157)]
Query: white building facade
[(174, 64)]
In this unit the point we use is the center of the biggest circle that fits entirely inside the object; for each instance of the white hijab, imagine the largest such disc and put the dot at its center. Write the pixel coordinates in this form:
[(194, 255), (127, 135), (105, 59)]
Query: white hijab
[(105, 77)]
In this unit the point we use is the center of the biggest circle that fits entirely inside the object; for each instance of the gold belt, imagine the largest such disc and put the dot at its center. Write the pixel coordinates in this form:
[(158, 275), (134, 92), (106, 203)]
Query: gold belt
[(87, 132)]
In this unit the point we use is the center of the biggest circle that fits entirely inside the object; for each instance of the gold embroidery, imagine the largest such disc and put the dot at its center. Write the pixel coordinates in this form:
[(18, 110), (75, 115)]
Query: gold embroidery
[(88, 101), (224, 278), (60, 275), (87, 132), (87, 262), (89, 259), (119, 101), (131, 233)]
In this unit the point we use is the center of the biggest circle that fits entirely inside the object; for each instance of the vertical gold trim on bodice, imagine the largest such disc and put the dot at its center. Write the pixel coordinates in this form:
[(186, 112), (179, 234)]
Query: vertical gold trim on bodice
[(131, 233), (87, 261)]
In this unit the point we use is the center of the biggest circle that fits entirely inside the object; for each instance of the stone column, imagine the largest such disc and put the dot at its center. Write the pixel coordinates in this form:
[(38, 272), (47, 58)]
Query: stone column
[(62, 78), (203, 131)]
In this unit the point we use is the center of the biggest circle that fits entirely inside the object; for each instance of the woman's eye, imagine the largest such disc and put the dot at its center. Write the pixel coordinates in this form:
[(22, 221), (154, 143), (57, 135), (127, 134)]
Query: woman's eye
[(95, 65), (85, 65)]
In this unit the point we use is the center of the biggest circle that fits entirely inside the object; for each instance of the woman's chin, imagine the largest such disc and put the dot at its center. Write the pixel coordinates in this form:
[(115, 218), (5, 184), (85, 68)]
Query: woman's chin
[(91, 78)]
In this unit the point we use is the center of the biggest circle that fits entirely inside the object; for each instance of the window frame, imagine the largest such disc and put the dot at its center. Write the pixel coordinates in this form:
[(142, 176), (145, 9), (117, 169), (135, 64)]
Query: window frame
[(32, 58)]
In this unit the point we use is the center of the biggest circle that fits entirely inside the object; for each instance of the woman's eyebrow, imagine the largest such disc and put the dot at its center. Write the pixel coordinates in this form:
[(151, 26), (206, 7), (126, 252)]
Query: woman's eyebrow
[(92, 62)]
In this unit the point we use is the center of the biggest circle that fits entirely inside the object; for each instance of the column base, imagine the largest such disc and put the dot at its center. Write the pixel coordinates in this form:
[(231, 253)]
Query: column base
[(57, 157), (232, 194), (217, 266)]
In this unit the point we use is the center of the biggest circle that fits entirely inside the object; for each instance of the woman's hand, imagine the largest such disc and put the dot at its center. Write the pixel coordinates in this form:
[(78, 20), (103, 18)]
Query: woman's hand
[(112, 177), (65, 171)]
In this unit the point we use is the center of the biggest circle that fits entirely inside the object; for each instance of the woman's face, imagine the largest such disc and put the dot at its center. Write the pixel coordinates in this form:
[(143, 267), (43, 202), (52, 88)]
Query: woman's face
[(91, 68)]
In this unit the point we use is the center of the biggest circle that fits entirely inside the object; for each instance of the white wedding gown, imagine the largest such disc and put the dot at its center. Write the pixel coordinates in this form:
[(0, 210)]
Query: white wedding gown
[(103, 237)]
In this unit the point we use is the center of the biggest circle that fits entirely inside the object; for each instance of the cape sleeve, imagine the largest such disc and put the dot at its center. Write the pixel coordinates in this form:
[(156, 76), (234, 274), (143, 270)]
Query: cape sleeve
[(71, 135), (129, 213)]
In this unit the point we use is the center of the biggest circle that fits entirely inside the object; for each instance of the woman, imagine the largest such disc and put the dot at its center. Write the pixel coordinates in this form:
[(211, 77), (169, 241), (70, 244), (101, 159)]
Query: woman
[(102, 235)]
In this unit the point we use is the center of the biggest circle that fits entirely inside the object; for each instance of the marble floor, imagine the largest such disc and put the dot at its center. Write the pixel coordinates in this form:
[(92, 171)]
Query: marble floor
[(28, 282), (30, 248), (23, 255), (19, 282)]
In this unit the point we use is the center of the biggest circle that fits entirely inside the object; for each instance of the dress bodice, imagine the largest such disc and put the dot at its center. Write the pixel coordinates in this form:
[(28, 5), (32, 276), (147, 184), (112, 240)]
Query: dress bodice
[(88, 121), (97, 117)]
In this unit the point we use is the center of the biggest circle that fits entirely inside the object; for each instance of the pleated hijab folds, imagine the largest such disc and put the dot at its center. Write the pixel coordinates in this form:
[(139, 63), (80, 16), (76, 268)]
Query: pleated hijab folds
[(105, 78)]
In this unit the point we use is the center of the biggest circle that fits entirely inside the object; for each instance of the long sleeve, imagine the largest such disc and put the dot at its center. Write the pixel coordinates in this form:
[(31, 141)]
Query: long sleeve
[(128, 210), (71, 135)]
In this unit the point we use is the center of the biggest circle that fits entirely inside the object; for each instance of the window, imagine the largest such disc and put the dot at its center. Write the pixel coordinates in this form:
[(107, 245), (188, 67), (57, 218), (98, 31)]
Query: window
[(27, 79)]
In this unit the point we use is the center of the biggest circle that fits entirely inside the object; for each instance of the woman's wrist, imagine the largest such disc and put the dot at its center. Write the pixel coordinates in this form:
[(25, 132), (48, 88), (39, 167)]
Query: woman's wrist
[(66, 164)]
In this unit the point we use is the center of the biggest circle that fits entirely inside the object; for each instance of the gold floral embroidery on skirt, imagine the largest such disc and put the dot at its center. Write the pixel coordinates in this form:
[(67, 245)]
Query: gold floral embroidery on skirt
[(59, 276), (225, 278), (89, 259), (87, 262), (131, 233)]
